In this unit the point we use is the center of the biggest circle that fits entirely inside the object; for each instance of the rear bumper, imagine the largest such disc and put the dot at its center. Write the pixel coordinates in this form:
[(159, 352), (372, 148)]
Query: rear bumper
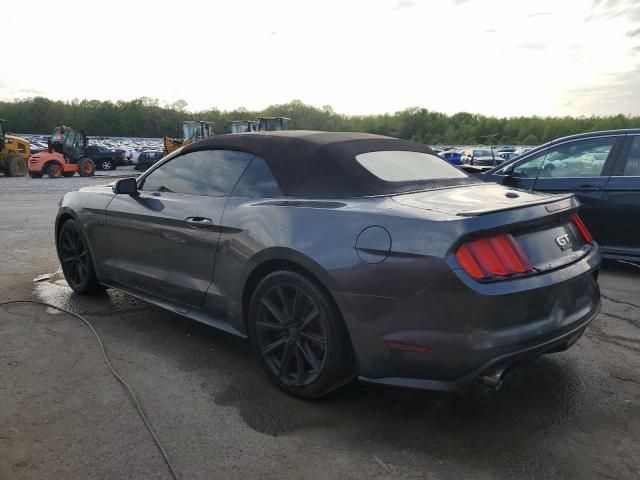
[(470, 327), (508, 360)]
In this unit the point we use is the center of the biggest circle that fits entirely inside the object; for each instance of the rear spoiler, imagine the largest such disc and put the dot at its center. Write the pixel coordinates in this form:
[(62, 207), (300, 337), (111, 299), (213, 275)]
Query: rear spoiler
[(565, 202)]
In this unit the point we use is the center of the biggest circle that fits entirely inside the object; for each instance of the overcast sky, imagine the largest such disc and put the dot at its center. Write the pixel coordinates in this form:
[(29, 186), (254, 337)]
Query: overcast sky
[(496, 57)]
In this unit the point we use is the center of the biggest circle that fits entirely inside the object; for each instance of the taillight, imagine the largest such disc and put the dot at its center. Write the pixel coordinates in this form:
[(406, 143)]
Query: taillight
[(498, 256), (582, 228)]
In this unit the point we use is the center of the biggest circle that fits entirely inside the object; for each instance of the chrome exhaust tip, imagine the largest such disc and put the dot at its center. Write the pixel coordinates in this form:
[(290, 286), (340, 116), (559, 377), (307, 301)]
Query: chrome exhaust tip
[(493, 377)]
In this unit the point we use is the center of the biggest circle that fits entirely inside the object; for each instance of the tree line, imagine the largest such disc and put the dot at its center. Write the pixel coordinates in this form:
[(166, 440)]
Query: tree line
[(145, 117)]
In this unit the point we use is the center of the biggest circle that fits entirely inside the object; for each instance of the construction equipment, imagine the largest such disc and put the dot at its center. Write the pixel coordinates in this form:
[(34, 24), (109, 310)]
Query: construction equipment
[(273, 124), (243, 126), (191, 130), (14, 152), (65, 156)]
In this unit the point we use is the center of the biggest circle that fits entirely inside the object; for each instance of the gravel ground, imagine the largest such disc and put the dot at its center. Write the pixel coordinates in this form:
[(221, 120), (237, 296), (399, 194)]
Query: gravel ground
[(570, 415)]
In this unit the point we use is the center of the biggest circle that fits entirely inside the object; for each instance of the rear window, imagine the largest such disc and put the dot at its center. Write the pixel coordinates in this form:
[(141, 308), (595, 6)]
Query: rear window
[(402, 166)]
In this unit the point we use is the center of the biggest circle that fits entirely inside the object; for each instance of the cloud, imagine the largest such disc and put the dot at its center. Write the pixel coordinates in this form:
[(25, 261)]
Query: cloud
[(533, 46), (634, 33), (617, 94), (31, 91), (603, 10), (491, 30), (402, 4), (460, 2), (538, 14)]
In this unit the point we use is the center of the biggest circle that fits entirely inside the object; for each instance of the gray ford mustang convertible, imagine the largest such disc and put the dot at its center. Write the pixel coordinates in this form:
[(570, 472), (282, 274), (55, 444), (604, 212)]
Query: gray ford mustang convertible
[(342, 255)]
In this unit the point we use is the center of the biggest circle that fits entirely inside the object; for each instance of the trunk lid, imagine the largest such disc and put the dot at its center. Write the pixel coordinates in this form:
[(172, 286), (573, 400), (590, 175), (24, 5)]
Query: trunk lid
[(541, 224), (475, 199)]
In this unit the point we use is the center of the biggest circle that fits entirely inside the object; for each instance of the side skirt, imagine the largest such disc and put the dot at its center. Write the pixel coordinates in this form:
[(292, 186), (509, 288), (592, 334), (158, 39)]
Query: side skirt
[(192, 313)]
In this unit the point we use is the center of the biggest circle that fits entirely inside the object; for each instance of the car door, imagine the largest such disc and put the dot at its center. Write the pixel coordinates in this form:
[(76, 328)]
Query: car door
[(580, 166), (622, 202), (163, 241)]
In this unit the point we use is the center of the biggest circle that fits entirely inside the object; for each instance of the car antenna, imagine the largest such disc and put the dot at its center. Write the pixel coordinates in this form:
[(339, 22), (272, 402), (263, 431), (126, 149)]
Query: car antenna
[(535, 180)]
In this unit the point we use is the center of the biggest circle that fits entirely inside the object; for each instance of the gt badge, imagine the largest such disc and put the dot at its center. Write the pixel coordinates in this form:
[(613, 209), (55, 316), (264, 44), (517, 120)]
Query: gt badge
[(563, 241)]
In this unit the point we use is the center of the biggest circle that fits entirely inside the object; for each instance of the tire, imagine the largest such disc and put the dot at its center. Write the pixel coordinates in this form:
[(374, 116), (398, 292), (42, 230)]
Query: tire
[(106, 165), (75, 259), (53, 170), (15, 166), (314, 347), (86, 167)]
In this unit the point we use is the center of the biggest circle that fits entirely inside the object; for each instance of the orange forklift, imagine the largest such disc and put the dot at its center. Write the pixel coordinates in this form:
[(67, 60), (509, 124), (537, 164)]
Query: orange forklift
[(64, 157)]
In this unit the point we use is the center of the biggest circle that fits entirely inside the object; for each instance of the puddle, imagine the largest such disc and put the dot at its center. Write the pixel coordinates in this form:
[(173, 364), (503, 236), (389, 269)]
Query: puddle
[(43, 277), (52, 288)]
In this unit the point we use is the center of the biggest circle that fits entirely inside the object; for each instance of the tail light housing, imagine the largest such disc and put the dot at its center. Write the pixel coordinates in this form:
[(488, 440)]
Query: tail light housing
[(496, 257), (582, 228)]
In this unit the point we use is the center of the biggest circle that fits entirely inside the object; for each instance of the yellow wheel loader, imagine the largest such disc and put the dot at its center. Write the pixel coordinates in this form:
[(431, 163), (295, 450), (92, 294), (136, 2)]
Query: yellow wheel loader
[(191, 130), (14, 153)]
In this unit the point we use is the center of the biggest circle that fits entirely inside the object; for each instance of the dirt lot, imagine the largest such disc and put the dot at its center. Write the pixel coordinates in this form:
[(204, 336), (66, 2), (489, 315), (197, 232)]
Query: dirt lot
[(62, 416)]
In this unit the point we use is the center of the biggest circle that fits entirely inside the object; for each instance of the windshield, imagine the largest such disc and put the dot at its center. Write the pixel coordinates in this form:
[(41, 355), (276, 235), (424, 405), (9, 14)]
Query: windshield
[(240, 127), (58, 135), (482, 153), (399, 166), (190, 130)]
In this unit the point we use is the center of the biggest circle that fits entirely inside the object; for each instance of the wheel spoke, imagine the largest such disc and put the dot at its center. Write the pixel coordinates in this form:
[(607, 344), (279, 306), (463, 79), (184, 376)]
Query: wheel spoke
[(275, 311), (274, 345), (283, 300), (310, 357), (314, 338), (296, 304), (286, 358), (68, 259), (270, 326), (309, 318), (300, 372), (82, 271), (68, 242)]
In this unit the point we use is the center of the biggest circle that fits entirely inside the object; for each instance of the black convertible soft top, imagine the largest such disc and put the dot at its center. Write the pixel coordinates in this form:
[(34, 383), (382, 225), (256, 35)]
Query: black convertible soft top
[(321, 164)]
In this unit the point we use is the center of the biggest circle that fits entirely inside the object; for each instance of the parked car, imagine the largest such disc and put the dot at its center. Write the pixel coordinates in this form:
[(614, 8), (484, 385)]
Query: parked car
[(480, 157), (341, 255), (148, 158), (121, 157), (602, 169), (506, 156), (451, 156), (103, 158)]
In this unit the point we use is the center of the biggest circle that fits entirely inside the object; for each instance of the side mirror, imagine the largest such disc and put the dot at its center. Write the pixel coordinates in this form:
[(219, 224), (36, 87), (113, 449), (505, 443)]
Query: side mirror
[(508, 171), (126, 186)]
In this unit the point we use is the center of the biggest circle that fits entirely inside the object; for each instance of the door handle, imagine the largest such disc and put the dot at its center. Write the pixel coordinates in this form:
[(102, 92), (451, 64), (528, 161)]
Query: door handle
[(199, 221), (587, 188)]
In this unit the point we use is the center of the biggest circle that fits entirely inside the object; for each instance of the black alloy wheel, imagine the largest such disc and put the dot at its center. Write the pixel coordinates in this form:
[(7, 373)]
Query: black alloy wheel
[(298, 336), (291, 334), (75, 259)]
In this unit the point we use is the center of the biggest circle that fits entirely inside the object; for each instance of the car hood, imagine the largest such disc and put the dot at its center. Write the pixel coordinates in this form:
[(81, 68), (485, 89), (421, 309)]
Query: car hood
[(476, 199)]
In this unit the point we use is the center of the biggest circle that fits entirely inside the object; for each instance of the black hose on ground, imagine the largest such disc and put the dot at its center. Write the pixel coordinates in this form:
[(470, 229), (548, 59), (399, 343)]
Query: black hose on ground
[(126, 386)]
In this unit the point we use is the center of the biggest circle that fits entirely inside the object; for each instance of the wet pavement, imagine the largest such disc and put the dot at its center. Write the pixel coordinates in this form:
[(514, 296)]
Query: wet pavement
[(570, 415)]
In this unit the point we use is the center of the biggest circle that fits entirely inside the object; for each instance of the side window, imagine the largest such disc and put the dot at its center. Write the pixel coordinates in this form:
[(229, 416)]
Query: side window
[(257, 181), (529, 168), (632, 167), (582, 158), (207, 172)]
